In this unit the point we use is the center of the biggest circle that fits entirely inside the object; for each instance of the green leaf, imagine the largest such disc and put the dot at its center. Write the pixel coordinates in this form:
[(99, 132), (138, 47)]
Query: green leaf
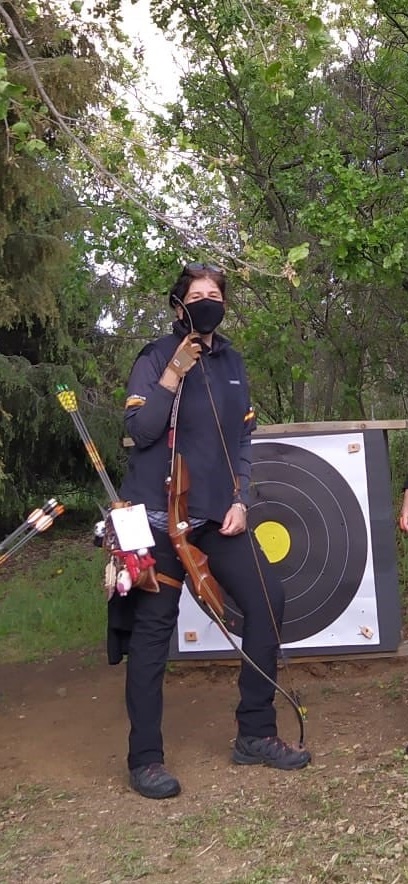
[(34, 145), (64, 34), (21, 128), (139, 151), (297, 372), (31, 12), (342, 251), (76, 6), (118, 113), (314, 56), (14, 90), (314, 24), (398, 252), (271, 72), (298, 253)]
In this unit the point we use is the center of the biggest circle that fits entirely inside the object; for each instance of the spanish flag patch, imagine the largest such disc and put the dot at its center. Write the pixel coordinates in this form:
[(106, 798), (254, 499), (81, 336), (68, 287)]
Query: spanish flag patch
[(135, 401)]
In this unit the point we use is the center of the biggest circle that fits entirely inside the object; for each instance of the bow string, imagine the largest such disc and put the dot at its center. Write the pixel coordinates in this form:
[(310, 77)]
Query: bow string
[(195, 562)]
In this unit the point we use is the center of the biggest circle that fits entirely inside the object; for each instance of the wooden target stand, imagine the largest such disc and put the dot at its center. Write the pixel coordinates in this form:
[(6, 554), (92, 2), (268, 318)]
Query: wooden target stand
[(321, 513)]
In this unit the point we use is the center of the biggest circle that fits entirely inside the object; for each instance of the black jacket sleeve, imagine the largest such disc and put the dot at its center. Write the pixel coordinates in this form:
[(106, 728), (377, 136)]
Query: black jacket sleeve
[(148, 404)]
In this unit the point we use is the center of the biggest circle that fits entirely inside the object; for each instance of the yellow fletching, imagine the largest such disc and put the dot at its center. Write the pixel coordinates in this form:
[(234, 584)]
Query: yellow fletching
[(68, 400)]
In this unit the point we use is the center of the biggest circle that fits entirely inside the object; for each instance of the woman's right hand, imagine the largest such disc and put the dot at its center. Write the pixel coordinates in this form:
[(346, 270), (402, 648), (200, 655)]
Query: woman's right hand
[(183, 360), (403, 520)]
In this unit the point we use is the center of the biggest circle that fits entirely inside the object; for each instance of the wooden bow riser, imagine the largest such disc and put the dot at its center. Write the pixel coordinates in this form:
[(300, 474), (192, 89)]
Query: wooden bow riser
[(204, 584), (194, 561)]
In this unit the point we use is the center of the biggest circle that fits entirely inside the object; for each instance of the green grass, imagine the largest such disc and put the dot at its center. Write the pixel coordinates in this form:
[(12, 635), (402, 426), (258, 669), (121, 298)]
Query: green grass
[(54, 605)]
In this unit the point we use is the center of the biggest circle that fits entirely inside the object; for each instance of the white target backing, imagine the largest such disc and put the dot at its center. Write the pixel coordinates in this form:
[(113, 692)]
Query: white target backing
[(310, 514)]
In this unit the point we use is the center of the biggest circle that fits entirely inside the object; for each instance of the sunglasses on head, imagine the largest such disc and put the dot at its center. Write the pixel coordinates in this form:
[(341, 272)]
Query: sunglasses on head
[(196, 265)]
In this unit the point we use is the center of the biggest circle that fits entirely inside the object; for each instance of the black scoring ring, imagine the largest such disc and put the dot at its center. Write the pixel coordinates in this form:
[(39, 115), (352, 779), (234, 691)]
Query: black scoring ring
[(323, 569)]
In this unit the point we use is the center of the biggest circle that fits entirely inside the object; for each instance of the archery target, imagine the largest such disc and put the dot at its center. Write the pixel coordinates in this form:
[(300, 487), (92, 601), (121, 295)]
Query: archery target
[(317, 538), (309, 513)]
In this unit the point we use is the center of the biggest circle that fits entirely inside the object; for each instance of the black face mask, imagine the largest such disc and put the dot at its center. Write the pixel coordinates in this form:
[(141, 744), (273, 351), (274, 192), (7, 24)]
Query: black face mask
[(205, 315)]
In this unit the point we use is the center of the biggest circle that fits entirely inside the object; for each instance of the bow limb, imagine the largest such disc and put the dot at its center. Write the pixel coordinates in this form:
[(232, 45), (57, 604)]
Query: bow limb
[(205, 585), (195, 562), (292, 697), (247, 659)]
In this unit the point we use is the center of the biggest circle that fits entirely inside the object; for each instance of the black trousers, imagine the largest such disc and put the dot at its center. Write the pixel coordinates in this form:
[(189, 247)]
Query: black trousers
[(232, 563)]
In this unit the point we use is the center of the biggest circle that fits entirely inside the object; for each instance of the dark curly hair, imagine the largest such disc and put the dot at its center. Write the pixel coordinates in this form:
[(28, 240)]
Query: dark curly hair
[(192, 271)]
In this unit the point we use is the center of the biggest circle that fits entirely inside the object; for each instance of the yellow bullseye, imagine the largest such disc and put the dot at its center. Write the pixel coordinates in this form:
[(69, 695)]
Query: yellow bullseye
[(274, 540)]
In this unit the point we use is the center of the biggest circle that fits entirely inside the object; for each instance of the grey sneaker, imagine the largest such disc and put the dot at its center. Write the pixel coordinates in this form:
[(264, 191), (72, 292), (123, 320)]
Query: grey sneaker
[(271, 751), (153, 781)]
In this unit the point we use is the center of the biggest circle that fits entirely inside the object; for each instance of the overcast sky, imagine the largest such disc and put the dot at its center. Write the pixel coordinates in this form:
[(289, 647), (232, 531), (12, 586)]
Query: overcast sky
[(159, 53)]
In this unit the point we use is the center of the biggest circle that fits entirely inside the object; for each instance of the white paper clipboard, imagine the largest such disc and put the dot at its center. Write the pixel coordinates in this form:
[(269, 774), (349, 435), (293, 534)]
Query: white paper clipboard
[(132, 527)]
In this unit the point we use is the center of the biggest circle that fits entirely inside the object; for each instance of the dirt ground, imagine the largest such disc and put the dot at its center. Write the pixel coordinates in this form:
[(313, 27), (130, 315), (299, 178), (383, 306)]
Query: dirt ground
[(68, 816)]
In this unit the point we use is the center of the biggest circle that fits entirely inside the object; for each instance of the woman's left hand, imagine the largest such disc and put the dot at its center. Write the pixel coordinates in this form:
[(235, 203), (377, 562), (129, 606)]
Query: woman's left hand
[(234, 521)]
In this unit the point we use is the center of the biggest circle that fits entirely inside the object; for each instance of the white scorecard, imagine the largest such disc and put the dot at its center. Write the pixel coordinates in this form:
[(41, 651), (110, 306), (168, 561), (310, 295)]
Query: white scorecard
[(132, 527)]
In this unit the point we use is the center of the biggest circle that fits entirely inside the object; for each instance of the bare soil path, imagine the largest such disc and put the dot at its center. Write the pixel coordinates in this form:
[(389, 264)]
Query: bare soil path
[(68, 816)]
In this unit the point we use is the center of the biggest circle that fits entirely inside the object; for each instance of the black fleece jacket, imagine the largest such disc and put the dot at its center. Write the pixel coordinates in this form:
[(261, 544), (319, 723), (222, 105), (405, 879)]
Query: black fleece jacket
[(148, 412)]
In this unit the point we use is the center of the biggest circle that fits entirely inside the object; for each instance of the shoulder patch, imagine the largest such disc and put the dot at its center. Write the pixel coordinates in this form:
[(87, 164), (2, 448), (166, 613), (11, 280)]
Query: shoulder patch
[(135, 401)]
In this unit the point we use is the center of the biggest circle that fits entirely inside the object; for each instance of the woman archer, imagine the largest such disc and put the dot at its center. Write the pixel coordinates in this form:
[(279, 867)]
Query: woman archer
[(188, 394)]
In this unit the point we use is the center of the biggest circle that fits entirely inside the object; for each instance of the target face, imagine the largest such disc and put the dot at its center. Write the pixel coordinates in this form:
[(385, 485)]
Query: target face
[(309, 514), (317, 538), (310, 525)]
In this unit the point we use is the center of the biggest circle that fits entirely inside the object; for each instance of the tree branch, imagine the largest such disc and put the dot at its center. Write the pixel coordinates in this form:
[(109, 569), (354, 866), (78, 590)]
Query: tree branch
[(130, 194)]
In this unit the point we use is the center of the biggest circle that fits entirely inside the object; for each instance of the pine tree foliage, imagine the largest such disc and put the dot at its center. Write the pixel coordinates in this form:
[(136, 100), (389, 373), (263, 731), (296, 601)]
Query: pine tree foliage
[(50, 303), (39, 209), (42, 453)]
